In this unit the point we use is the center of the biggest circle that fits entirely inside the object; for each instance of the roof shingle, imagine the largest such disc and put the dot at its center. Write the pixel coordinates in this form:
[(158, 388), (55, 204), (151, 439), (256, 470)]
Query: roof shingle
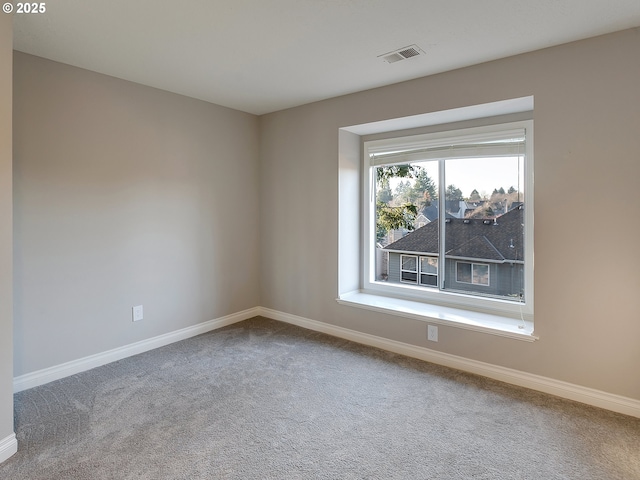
[(495, 240)]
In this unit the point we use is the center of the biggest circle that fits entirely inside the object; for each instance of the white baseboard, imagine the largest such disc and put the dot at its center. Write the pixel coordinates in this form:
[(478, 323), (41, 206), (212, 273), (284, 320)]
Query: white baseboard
[(597, 398), (8, 447), (46, 375)]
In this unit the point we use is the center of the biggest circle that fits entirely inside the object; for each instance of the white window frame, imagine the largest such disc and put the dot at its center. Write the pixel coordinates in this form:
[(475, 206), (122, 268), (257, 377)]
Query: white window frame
[(418, 258), (416, 271), (420, 272), (495, 306)]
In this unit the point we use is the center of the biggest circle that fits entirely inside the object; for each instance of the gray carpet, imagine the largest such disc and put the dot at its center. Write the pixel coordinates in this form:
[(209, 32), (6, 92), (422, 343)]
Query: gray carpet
[(265, 400)]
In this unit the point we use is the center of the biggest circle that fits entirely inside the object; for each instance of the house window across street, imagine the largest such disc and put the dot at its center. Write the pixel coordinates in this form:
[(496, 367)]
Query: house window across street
[(474, 273), (409, 268), (429, 271)]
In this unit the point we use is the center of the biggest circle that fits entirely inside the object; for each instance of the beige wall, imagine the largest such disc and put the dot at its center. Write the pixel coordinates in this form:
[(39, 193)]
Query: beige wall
[(587, 171), (6, 228), (125, 195)]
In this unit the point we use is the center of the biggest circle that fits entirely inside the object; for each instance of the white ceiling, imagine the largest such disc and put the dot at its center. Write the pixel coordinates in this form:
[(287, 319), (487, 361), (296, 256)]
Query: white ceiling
[(260, 56)]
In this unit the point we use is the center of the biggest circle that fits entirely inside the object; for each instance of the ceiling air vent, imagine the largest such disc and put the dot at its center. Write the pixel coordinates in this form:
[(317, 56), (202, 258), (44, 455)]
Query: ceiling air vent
[(402, 54)]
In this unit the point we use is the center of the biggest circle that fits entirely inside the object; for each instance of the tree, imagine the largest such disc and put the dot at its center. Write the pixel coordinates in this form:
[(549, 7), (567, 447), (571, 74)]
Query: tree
[(402, 190), (384, 194), (475, 196), (424, 188), (400, 211), (386, 172), (453, 193), (511, 190), (392, 218)]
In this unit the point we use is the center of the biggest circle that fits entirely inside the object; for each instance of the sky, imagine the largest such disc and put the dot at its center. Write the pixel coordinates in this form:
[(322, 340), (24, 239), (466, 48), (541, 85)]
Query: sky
[(481, 174)]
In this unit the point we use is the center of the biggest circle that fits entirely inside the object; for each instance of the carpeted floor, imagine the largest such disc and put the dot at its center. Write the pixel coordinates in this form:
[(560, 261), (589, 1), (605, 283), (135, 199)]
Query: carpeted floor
[(266, 400)]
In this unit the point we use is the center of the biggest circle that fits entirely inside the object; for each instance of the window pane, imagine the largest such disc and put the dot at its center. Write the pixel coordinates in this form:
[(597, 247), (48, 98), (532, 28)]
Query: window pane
[(409, 277), (484, 227), (409, 263), (429, 280), (463, 273), (480, 274), (429, 265), (406, 213)]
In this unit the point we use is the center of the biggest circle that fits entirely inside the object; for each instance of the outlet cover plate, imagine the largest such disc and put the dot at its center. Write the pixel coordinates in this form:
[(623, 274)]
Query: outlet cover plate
[(138, 313), (432, 333)]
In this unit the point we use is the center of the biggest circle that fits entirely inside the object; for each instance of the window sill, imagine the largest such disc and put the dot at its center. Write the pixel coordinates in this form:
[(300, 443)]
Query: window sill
[(453, 317)]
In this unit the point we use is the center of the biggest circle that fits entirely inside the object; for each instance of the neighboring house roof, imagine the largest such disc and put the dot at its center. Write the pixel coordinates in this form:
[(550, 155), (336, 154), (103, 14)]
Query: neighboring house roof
[(498, 240), (422, 218), (454, 206), (431, 212), (478, 247)]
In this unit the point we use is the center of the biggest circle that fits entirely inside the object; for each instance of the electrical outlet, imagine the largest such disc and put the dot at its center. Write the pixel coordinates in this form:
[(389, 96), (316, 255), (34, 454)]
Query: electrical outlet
[(138, 313), (432, 333)]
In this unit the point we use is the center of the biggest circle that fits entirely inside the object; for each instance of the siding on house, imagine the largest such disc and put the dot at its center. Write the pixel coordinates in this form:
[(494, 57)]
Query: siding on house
[(503, 279), (394, 268)]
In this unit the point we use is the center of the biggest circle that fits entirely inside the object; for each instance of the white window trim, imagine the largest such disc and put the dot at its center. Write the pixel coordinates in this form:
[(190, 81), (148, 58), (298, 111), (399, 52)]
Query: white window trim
[(350, 217), (441, 315), (498, 307)]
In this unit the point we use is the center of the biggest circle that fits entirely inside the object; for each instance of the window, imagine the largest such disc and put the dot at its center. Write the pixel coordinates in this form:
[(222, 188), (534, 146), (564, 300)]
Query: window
[(448, 218), (409, 269), (474, 273), (429, 271)]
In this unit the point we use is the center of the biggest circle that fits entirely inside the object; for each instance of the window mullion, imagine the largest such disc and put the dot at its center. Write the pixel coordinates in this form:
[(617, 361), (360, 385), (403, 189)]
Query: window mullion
[(441, 222)]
